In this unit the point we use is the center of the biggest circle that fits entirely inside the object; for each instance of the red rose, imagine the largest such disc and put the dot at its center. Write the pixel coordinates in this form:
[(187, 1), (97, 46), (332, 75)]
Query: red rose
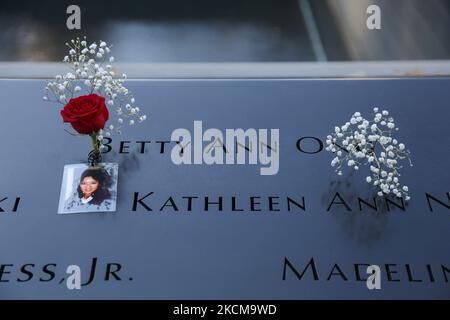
[(87, 114)]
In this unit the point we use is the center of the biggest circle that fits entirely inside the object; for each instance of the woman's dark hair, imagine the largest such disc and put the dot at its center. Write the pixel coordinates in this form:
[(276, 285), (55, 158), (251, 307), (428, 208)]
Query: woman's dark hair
[(104, 180)]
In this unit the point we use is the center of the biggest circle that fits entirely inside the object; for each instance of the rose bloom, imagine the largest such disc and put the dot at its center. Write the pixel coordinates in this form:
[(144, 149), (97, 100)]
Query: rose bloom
[(87, 114)]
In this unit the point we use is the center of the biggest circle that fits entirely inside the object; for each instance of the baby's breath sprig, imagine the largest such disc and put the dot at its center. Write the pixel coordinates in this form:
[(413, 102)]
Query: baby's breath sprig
[(92, 72), (362, 142)]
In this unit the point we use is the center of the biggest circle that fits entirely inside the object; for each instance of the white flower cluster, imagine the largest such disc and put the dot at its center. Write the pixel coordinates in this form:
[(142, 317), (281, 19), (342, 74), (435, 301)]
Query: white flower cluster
[(362, 142), (93, 73)]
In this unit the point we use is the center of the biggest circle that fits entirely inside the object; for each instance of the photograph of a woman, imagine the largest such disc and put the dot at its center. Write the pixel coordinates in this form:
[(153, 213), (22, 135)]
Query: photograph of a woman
[(88, 189)]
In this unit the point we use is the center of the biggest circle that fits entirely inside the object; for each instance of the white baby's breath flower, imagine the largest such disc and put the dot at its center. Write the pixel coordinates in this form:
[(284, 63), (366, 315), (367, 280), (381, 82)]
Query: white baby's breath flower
[(93, 72), (363, 142)]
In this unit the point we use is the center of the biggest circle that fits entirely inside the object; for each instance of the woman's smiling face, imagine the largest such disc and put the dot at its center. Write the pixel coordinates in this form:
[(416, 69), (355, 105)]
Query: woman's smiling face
[(88, 186)]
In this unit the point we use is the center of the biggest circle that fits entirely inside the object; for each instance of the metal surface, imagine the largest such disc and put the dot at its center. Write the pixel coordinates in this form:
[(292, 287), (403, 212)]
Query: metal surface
[(27, 70), (223, 254)]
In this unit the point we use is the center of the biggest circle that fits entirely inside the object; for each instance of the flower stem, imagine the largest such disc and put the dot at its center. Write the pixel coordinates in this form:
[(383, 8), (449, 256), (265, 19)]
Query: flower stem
[(94, 156), (95, 143)]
